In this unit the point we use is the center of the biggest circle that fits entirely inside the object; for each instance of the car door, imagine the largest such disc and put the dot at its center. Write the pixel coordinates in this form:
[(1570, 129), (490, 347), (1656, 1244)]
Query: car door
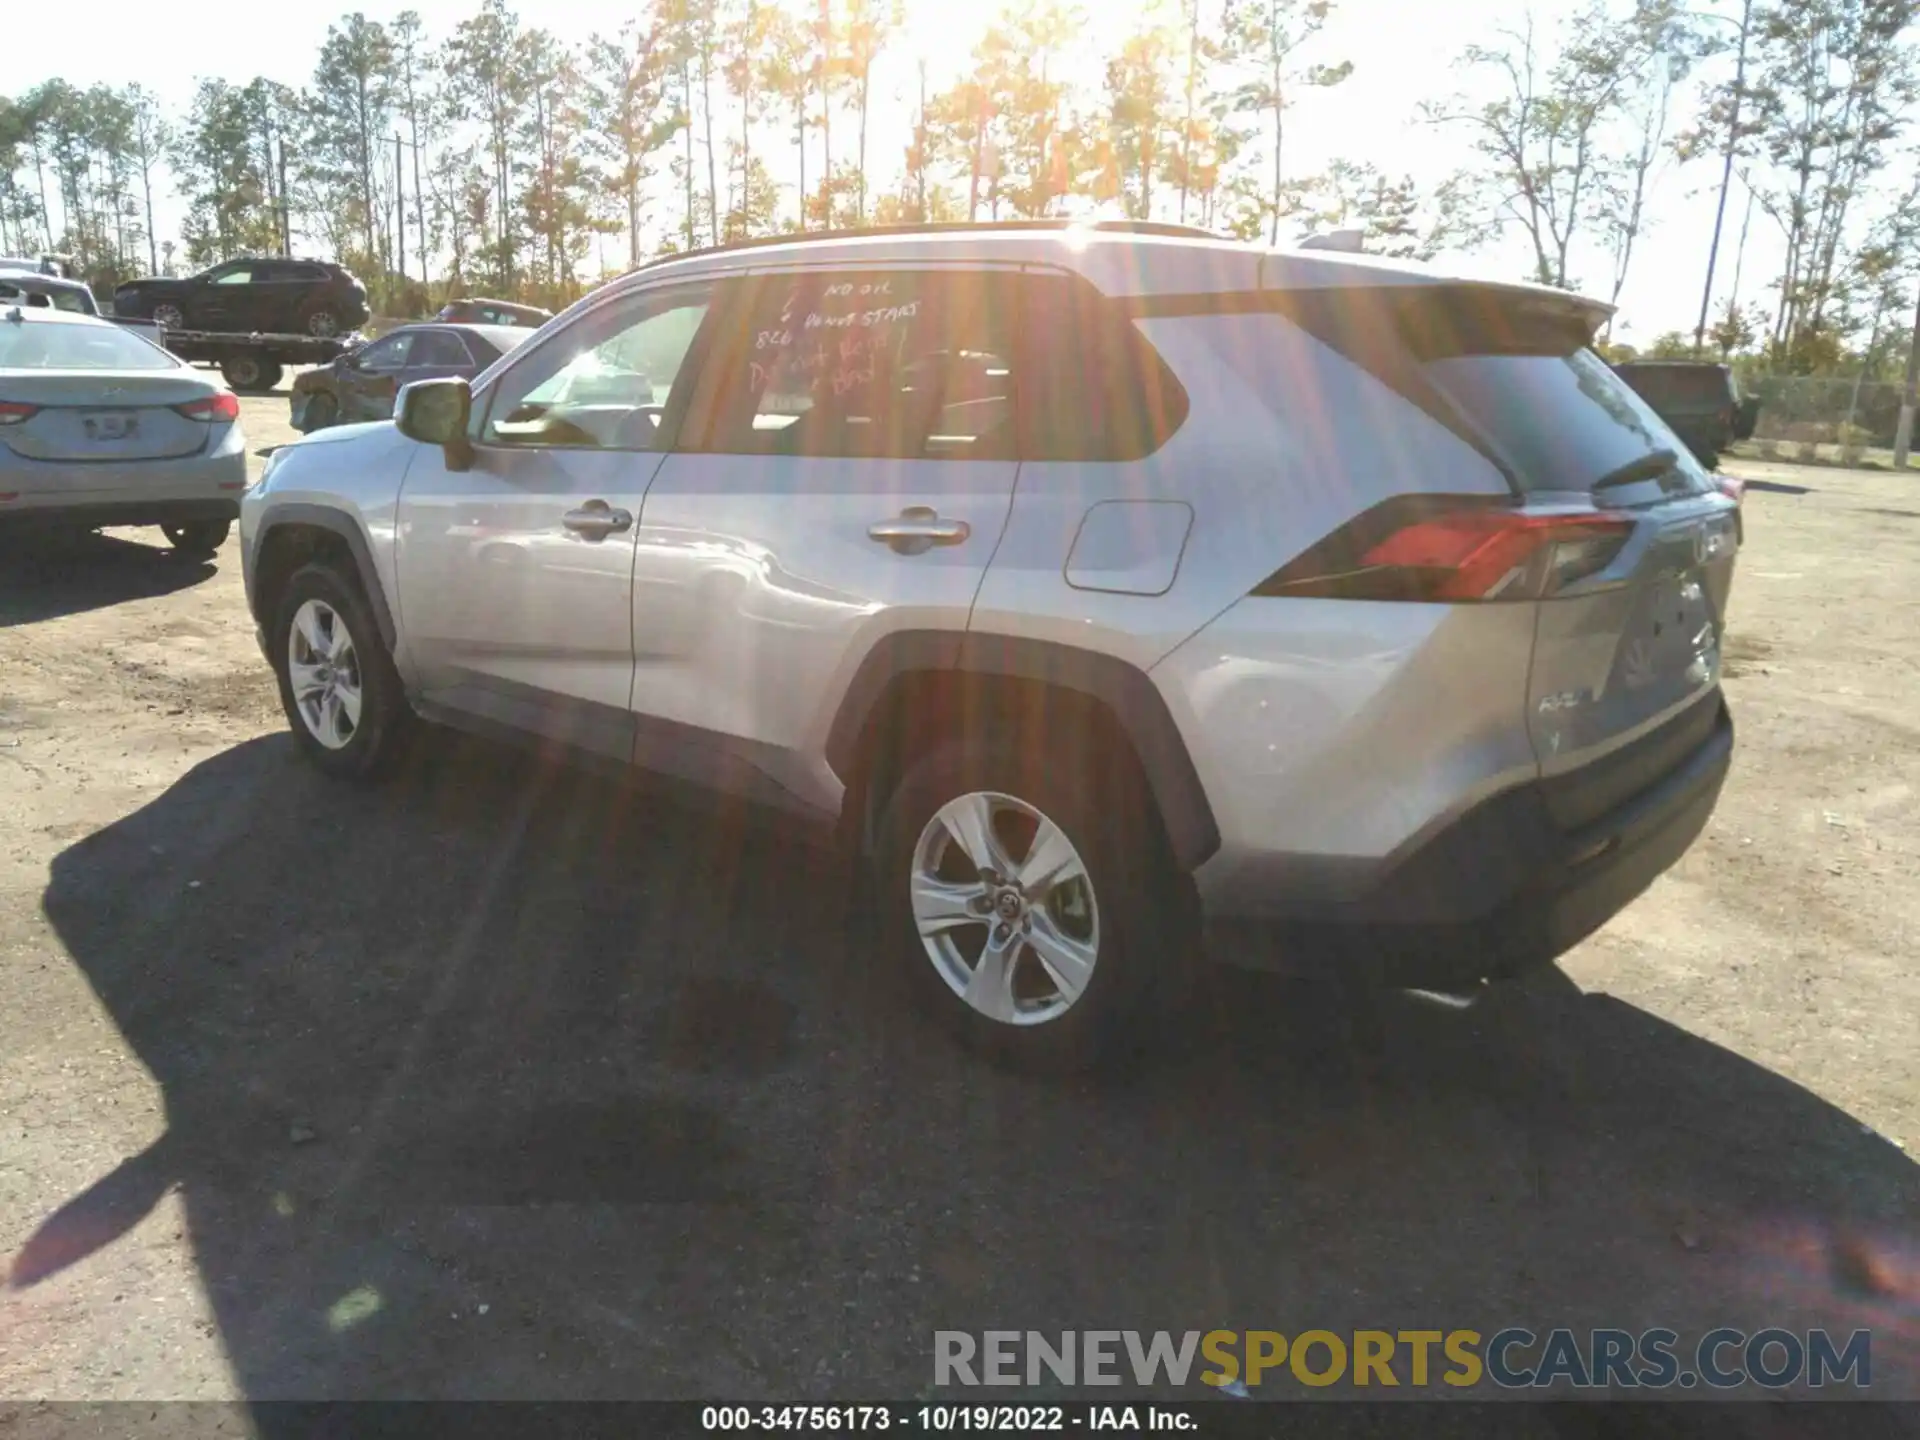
[(279, 288), (370, 377), (516, 572), (846, 470), (228, 299)]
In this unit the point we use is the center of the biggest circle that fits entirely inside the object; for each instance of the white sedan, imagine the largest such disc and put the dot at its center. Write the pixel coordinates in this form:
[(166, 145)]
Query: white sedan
[(99, 426)]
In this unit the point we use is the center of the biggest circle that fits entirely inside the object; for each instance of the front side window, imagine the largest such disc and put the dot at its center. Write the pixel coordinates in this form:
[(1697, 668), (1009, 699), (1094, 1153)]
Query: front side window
[(239, 275), (602, 383), (874, 364), (387, 355)]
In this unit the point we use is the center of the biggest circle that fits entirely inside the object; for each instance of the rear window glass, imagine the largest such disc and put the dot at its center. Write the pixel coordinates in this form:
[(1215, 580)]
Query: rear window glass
[(50, 297), (1561, 422), (1509, 371), (49, 346)]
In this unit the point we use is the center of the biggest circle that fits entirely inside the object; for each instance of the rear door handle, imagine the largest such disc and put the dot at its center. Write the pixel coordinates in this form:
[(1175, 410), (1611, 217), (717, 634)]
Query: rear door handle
[(596, 520), (919, 528)]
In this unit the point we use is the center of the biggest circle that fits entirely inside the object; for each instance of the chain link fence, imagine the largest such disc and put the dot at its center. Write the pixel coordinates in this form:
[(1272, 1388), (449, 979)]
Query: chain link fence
[(1798, 411)]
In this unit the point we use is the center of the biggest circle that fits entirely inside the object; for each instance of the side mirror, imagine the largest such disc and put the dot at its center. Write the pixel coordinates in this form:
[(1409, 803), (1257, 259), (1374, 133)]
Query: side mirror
[(435, 412)]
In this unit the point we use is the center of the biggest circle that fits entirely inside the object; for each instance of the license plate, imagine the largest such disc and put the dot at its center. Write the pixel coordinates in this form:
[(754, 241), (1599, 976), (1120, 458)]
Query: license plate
[(110, 427)]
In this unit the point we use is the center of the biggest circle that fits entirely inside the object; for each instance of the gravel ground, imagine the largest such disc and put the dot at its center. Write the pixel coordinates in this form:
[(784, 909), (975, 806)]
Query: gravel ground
[(504, 1082)]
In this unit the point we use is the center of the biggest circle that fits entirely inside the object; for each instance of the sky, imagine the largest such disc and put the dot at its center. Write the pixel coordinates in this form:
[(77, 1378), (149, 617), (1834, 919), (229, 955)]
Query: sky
[(1403, 51)]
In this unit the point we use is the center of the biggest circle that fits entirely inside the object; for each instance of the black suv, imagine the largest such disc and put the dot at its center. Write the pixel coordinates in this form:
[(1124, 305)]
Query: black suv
[(475, 311), (272, 296), (1700, 402)]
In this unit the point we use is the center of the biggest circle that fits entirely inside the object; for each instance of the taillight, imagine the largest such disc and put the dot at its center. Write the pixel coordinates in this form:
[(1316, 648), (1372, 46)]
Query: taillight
[(215, 409), (12, 412), (1452, 549)]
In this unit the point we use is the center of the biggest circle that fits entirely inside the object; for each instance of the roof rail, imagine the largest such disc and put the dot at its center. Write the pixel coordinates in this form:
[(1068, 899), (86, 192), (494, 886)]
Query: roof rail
[(945, 227)]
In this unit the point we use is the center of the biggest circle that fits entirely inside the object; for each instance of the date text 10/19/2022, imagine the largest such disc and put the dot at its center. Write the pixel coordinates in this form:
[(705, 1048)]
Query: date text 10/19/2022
[(947, 1419)]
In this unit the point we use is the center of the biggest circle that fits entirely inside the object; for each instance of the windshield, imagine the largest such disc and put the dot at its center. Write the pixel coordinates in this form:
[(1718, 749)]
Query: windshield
[(53, 346)]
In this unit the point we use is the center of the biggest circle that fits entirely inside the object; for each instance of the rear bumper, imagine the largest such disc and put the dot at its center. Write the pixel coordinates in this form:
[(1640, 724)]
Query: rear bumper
[(1500, 890)]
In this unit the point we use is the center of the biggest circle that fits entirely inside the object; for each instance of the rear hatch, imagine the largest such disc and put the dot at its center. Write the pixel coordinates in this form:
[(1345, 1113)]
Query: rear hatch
[(1616, 536), (1626, 660), (87, 420)]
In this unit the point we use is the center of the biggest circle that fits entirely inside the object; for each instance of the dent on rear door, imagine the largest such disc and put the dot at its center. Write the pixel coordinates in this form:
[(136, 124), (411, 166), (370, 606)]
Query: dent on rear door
[(1618, 659)]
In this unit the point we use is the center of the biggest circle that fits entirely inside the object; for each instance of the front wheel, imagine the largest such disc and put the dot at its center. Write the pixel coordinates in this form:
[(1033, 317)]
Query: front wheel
[(197, 539), (1032, 900), (342, 696), (322, 410), (323, 323)]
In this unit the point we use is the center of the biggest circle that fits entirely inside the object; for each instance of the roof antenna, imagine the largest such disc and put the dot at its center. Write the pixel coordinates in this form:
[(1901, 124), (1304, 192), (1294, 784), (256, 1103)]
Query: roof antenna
[(1351, 240)]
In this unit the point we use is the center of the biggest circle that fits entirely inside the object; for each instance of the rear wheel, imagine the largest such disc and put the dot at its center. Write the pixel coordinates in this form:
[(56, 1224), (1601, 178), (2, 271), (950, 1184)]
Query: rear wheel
[(169, 317), (250, 375), (342, 696), (197, 538), (1030, 897)]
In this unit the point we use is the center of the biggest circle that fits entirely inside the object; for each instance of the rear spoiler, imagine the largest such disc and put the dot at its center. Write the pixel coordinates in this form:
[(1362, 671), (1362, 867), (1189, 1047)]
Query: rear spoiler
[(1434, 315)]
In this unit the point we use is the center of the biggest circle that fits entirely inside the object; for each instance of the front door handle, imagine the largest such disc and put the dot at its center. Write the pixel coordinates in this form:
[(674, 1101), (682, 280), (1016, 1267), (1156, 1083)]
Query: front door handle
[(919, 528), (596, 520)]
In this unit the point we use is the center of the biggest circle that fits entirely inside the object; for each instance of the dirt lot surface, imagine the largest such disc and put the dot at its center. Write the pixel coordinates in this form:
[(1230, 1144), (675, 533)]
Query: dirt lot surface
[(499, 1081)]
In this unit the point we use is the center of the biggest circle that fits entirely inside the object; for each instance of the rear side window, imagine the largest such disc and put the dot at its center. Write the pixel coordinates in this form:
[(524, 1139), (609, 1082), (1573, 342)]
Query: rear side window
[(1096, 389), (1512, 373), (437, 347), (908, 365)]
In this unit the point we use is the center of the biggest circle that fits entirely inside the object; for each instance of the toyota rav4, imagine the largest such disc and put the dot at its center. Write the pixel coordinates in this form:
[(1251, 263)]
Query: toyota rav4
[(1107, 588)]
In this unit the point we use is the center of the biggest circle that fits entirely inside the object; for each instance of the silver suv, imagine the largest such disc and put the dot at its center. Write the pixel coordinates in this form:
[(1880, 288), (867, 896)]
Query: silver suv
[(1106, 587)]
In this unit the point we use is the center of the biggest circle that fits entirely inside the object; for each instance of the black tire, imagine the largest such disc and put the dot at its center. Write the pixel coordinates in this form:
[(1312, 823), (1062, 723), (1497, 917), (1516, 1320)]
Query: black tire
[(1144, 945), (322, 321), (386, 720), (197, 539), (250, 375), (242, 372), (323, 410), (169, 316)]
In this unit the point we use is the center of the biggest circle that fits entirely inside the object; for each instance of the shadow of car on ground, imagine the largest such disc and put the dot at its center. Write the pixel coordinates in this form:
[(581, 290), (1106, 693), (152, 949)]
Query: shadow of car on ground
[(503, 1080), (47, 574)]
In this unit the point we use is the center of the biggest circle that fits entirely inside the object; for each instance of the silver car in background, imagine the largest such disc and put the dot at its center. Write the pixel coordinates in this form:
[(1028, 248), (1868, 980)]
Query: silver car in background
[(99, 426)]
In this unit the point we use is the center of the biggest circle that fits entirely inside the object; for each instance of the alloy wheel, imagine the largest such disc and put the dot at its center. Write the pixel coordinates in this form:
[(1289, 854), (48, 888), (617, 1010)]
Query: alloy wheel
[(1005, 908), (168, 317), (325, 674), (323, 324)]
